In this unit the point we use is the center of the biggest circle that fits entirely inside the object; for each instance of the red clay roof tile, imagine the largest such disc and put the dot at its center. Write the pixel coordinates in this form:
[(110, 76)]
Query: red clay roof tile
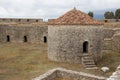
[(75, 17)]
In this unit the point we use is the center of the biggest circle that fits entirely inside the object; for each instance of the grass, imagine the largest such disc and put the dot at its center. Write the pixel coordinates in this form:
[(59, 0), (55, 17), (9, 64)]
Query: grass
[(27, 61), (110, 59)]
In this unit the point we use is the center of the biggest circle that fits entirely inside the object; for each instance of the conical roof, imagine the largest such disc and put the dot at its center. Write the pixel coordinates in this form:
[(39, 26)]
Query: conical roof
[(75, 17)]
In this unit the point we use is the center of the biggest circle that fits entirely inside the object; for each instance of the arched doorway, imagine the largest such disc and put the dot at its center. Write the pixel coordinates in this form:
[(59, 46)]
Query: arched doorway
[(85, 47)]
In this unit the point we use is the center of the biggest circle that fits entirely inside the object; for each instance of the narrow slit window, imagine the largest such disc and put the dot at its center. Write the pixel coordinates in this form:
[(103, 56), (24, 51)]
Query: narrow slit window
[(36, 20), (45, 39), (25, 39), (19, 20), (106, 20), (8, 38), (28, 20)]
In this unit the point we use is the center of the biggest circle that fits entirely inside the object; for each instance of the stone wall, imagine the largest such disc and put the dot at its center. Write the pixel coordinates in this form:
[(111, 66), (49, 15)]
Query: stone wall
[(20, 20), (116, 43), (65, 42), (108, 32), (111, 20), (63, 73), (107, 44), (34, 34), (111, 39), (115, 75)]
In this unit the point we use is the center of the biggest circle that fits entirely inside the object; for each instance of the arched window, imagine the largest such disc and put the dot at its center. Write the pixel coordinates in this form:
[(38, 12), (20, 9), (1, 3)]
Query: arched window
[(25, 39), (85, 47), (45, 39), (8, 38)]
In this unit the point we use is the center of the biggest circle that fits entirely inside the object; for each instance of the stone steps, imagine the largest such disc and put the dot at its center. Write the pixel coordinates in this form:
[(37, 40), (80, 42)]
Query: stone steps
[(88, 61)]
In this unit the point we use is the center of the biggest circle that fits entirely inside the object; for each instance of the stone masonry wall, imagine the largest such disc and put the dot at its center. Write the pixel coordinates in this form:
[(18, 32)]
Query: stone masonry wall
[(20, 20), (111, 20), (107, 44), (65, 42), (111, 39), (108, 33), (34, 34), (63, 73), (116, 43)]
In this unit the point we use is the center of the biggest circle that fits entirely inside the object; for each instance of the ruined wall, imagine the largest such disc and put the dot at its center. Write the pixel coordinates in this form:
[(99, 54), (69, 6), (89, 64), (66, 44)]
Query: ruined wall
[(34, 34), (111, 39), (62, 74), (108, 34), (65, 42), (111, 20), (116, 43)]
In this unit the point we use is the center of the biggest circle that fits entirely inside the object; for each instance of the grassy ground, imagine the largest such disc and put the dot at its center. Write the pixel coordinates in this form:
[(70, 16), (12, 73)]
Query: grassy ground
[(26, 61)]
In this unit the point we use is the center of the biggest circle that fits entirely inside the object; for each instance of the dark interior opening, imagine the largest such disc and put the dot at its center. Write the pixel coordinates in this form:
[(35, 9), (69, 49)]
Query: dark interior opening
[(28, 20), (117, 20), (3, 19), (8, 38), (85, 47), (25, 39), (106, 20), (45, 39), (36, 20), (19, 20)]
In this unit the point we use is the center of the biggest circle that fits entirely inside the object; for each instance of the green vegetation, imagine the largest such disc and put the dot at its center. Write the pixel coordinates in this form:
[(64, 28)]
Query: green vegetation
[(117, 14), (26, 61), (91, 14), (109, 15)]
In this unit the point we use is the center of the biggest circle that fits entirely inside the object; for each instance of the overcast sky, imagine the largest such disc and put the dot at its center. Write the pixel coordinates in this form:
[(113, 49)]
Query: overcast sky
[(52, 8)]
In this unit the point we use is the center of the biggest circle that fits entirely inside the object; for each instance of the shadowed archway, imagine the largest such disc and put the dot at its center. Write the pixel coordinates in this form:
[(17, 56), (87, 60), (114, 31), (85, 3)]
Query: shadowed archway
[(85, 47)]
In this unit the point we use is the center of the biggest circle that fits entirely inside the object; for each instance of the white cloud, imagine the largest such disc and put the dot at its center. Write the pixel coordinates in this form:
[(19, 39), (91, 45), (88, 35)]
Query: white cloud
[(51, 8)]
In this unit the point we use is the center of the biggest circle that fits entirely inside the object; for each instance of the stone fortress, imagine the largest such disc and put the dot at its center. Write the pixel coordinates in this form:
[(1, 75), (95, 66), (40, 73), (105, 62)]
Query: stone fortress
[(74, 37)]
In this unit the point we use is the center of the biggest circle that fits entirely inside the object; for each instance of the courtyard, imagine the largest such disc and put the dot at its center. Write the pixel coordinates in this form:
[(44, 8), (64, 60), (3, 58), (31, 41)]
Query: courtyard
[(27, 61)]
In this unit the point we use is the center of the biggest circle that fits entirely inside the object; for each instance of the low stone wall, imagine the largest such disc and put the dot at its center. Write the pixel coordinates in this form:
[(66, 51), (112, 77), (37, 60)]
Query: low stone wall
[(115, 75), (111, 20), (50, 75), (61, 73)]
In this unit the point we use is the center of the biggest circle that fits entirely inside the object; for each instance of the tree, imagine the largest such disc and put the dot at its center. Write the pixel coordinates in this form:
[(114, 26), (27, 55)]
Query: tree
[(109, 15), (117, 14), (91, 14)]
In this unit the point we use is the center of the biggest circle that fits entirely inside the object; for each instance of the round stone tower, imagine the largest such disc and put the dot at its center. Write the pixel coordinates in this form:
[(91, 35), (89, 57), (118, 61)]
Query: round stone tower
[(73, 36)]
